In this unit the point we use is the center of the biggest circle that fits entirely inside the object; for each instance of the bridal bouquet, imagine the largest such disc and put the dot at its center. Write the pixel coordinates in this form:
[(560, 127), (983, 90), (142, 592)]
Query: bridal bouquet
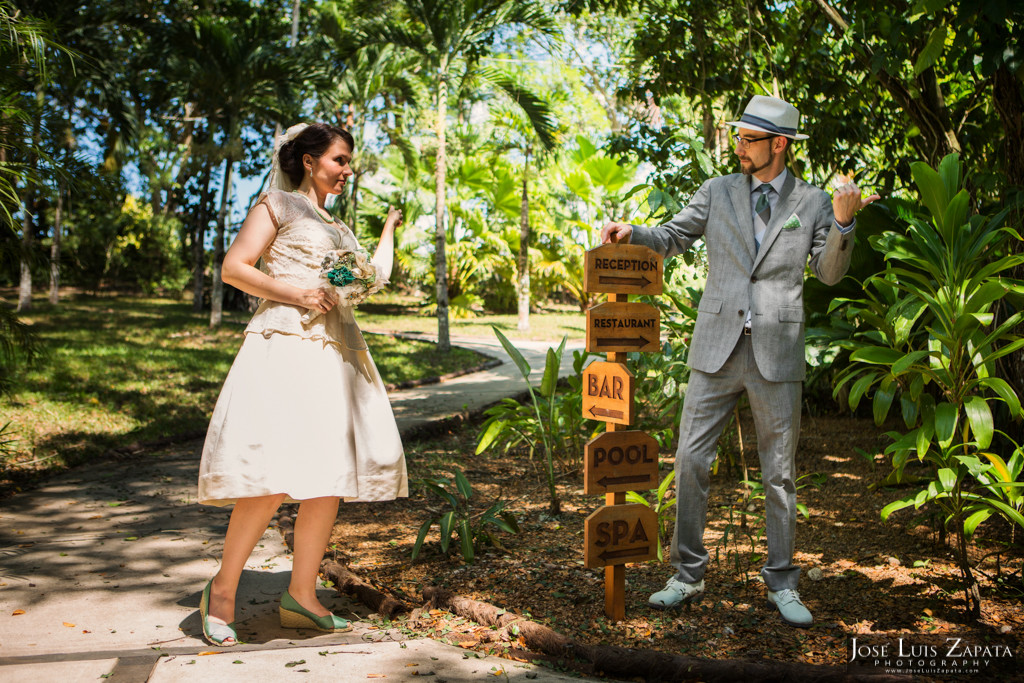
[(353, 276)]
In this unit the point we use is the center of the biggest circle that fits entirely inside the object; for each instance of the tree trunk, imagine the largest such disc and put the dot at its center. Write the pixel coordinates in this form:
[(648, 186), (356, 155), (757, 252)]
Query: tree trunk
[(27, 237), (55, 247), (1008, 98), (440, 190), (524, 250), (27, 227), (348, 583), (217, 295), (621, 662), (176, 191), (199, 241), (928, 111), (355, 202)]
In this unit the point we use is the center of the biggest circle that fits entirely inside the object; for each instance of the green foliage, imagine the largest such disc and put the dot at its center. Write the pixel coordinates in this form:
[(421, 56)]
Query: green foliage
[(681, 165), (927, 344), (126, 245), (662, 502), (756, 491), (555, 421), (110, 371), (18, 347), (511, 424), (7, 439), (458, 518)]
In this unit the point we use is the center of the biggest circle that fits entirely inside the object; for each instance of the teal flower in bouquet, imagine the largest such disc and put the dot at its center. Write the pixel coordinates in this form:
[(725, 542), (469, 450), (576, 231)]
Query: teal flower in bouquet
[(340, 276), (352, 275)]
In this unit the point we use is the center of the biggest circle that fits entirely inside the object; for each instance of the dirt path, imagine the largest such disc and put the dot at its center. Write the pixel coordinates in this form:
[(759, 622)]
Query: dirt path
[(861, 575)]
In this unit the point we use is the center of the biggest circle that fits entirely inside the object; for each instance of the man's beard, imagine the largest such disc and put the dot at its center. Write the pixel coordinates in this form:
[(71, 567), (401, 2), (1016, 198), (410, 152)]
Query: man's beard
[(751, 170)]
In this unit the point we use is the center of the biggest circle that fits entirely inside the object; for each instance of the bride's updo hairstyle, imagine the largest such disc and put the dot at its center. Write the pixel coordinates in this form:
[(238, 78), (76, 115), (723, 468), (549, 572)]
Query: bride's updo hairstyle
[(314, 141)]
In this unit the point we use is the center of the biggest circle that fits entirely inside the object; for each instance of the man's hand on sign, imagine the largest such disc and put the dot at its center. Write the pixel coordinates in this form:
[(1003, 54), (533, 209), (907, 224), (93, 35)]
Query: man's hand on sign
[(616, 232)]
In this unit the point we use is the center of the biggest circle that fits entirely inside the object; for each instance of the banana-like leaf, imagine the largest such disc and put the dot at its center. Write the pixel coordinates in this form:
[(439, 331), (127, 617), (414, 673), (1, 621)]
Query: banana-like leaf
[(510, 519), (946, 416), (491, 433), (980, 418), (553, 361), (933, 190), (466, 537), (878, 355), (904, 363), (513, 352), (947, 478), (420, 537), (447, 523), (884, 395), (897, 505), (972, 522), (463, 484)]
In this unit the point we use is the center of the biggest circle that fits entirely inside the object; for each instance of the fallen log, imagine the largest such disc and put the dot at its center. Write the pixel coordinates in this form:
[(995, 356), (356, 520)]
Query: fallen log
[(629, 663), (350, 584)]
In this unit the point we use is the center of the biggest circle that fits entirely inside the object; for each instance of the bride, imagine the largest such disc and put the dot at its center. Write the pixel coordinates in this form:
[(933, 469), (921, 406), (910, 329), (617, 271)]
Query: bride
[(303, 415)]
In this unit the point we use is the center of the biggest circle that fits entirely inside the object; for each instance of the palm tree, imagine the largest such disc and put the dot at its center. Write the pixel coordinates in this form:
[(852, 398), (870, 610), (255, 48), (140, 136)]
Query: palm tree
[(27, 42), (367, 75), (449, 37), (524, 138), (239, 73)]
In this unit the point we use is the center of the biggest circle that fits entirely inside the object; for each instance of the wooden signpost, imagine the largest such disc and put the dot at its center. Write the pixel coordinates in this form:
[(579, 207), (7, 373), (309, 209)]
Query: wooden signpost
[(619, 460), (617, 534), (623, 327), (608, 392)]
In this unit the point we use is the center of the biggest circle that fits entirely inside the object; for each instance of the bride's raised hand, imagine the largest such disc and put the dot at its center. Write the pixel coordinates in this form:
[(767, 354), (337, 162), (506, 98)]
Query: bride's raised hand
[(394, 217), (318, 299)]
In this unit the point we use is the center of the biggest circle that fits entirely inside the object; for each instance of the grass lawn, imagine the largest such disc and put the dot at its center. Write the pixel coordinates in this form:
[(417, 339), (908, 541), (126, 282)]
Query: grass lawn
[(402, 313), (116, 370)]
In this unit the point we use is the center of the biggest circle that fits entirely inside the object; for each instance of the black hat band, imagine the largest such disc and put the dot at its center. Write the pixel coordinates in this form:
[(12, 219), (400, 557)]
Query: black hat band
[(766, 124)]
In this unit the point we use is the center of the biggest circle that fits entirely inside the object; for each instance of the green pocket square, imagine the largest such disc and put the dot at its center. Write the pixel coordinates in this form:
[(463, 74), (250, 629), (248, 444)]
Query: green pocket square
[(792, 223)]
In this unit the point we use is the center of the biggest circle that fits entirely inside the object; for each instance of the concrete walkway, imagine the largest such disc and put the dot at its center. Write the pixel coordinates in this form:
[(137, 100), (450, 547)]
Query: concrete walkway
[(102, 568)]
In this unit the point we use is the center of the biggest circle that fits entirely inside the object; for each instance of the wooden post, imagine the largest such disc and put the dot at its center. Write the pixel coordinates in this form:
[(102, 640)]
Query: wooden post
[(618, 533), (615, 575)]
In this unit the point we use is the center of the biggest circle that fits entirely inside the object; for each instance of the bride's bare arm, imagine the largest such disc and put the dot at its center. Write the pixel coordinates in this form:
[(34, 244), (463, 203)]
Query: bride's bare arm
[(239, 268), (384, 257)]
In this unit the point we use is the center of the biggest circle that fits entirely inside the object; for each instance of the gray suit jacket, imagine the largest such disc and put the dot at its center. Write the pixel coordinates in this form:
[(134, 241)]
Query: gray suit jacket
[(768, 282)]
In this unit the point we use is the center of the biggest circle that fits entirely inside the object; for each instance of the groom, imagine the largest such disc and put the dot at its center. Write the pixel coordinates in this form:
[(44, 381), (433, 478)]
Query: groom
[(759, 227)]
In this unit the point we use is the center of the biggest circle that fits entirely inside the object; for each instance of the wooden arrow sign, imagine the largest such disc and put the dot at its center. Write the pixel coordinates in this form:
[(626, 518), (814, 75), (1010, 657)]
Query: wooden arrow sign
[(617, 534), (623, 327), (620, 461), (623, 269), (608, 393)]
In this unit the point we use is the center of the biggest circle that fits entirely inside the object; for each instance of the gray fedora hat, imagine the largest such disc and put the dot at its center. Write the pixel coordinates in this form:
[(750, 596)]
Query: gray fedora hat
[(771, 115)]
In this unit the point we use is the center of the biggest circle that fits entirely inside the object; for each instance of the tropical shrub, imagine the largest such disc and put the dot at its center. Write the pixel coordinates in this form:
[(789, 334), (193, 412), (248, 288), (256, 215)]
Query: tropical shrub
[(552, 419), (663, 502), (459, 519), (928, 344)]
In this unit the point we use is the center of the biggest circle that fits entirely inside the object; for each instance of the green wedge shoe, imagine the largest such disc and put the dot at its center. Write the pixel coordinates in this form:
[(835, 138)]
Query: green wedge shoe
[(217, 634), (294, 615)]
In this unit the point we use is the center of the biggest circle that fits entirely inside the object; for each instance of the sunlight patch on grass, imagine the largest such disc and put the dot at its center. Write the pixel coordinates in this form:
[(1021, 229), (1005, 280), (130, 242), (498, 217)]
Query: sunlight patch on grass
[(114, 371)]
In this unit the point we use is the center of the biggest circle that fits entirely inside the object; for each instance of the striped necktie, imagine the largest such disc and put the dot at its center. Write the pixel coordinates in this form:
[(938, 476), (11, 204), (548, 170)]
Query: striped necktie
[(763, 208)]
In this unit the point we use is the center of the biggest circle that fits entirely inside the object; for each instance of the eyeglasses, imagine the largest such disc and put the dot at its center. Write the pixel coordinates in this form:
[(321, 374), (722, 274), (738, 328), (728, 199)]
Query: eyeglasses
[(743, 142)]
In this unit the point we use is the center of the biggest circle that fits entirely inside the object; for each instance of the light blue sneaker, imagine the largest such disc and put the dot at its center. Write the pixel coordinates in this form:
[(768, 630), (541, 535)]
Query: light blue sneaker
[(790, 607), (677, 593)]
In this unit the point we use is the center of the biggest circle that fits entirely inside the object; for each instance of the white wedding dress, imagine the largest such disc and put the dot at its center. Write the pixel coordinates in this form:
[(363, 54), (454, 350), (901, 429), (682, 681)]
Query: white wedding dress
[(303, 410)]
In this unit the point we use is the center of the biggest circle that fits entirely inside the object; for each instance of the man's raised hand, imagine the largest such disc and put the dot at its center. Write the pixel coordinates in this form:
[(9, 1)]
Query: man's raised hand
[(847, 201)]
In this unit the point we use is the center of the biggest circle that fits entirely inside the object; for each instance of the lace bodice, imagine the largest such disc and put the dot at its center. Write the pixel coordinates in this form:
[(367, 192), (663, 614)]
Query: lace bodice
[(303, 238)]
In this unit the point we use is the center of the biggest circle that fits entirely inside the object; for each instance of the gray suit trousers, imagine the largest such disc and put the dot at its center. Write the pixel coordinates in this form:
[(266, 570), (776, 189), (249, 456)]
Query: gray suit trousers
[(710, 399)]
